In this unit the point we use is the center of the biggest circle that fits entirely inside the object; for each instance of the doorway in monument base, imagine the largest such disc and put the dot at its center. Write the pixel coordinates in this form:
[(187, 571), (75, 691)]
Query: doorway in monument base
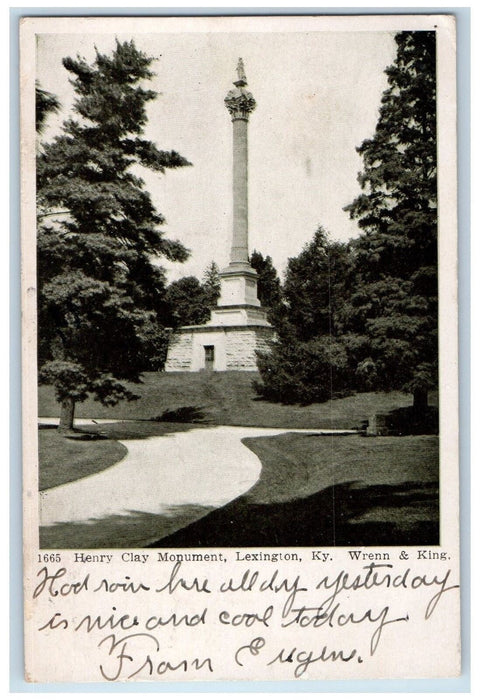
[(209, 357)]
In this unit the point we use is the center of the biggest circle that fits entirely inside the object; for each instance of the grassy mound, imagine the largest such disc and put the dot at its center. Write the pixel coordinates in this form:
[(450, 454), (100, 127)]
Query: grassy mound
[(227, 398)]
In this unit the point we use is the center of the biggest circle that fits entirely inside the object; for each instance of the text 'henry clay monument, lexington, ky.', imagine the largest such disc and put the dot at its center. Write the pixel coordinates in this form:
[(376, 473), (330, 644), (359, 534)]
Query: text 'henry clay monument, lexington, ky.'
[(238, 325)]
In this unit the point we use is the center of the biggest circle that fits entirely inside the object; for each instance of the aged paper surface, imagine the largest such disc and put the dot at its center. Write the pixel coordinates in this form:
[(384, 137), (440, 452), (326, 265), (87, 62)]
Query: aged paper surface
[(163, 540)]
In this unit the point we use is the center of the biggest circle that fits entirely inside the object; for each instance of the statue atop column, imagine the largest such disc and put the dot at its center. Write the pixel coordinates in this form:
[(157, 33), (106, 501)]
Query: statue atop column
[(239, 101), (242, 78)]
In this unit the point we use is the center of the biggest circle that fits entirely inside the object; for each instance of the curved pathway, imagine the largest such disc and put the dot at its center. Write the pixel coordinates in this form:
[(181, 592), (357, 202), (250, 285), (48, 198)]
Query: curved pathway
[(204, 466)]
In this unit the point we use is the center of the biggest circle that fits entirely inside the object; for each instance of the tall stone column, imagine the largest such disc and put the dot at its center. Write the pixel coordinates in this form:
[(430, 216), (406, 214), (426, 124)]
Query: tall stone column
[(240, 104), (238, 326), (238, 304)]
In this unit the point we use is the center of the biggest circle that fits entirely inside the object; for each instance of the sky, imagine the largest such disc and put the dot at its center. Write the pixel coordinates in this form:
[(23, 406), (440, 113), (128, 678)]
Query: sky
[(317, 94)]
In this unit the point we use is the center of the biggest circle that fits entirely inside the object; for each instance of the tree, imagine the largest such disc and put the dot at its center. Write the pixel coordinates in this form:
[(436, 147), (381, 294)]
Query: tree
[(100, 288), (188, 302), (303, 371), (307, 362), (268, 284), (315, 286), (45, 104), (211, 284), (391, 319)]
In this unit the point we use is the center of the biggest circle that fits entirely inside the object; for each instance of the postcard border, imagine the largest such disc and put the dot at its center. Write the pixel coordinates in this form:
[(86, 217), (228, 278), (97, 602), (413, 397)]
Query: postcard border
[(460, 684)]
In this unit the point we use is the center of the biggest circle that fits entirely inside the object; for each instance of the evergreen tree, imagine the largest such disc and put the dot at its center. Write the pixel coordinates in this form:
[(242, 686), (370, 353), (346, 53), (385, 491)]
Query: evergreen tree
[(315, 286), (269, 289), (100, 291), (45, 104), (211, 284), (391, 319), (307, 361)]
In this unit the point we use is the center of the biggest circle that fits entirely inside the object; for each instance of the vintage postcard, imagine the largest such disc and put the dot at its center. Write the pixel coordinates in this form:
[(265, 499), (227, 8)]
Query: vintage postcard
[(240, 402)]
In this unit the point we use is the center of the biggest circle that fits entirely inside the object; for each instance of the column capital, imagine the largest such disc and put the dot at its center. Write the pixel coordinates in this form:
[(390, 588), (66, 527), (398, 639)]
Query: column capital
[(239, 101)]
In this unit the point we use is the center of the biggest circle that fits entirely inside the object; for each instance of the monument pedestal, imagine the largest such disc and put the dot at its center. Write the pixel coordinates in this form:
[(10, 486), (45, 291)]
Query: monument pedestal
[(232, 336), (238, 285), (217, 348)]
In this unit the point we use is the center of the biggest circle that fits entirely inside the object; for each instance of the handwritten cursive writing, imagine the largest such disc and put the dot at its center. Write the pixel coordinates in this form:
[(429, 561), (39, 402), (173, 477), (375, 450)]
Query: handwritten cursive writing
[(50, 584), (125, 659), (373, 578), (317, 617), (175, 581), (301, 659)]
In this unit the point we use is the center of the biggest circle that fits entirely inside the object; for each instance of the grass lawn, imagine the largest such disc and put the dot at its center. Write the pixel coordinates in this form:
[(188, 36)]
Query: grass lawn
[(227, 398), (329, 491), (313, 490), (62, 459)]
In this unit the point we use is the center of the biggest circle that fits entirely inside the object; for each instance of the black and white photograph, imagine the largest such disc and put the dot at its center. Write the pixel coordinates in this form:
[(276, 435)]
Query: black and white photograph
[(239, 337), (237, 291)]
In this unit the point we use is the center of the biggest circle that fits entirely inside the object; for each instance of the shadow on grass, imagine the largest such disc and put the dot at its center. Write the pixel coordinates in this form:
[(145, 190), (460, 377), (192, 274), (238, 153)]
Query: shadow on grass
[(408, 421), (85, 436), (347, 514), (76, 433), (138, 430), (261, 395), (135, 529), (183, 414)]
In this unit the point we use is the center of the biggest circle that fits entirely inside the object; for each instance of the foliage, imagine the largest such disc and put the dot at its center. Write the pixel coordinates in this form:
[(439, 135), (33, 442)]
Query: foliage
[(188, 301), (308, 362), (303, 371), (398, 205), (100, 288), (211, 284), (268, 284), (315, 285), (391, 317), (45, 104)]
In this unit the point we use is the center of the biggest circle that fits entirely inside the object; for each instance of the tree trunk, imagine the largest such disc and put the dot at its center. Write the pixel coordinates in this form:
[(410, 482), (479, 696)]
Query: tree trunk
[(66, 415), (420, 400)]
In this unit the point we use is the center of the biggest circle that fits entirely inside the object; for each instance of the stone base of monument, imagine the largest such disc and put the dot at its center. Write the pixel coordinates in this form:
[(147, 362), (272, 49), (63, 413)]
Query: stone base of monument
[(217, 348), (237, 329)]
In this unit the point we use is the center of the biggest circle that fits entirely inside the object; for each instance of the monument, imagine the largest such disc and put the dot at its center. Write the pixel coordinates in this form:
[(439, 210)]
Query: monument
[(238, 325)]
